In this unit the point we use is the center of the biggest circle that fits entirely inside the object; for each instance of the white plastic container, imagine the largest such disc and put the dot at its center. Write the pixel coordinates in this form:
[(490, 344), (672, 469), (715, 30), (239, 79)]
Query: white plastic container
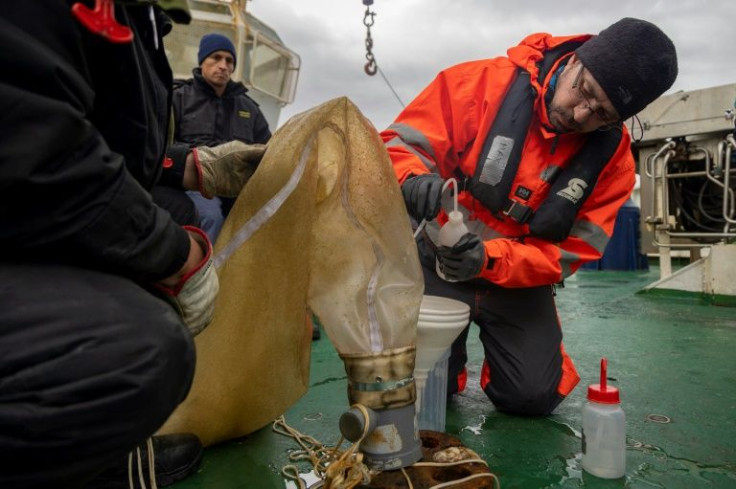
[(433, 411), (604, 430), (450, 233), (454, 228), (441, 320)]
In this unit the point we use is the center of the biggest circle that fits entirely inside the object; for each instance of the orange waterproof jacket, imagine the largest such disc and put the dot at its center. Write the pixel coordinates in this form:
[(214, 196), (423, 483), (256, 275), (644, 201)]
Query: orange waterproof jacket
[(443, 131)]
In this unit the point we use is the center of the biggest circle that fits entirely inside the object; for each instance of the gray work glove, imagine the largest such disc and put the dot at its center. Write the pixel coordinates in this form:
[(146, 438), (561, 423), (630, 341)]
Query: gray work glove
[(194, 296), (423, 195), (224, 169), (463, 261)]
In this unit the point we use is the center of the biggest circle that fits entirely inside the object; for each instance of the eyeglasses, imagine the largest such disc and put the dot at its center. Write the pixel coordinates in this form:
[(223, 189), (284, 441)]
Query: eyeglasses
[(591, 103)]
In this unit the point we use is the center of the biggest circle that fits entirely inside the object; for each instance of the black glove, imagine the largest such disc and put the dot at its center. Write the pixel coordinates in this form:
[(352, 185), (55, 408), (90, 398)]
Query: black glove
[(422, 195), (463, 261)]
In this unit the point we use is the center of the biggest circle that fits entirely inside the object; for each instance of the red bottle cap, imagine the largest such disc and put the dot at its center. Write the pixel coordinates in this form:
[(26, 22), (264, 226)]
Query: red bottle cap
[(602, 393)]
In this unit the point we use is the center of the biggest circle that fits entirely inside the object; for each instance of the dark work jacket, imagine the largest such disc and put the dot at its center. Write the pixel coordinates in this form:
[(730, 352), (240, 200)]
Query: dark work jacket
[(204, 119), (84, 125)]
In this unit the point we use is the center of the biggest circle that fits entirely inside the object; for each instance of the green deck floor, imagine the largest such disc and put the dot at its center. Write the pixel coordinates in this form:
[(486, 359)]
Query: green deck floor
[(670, 355)]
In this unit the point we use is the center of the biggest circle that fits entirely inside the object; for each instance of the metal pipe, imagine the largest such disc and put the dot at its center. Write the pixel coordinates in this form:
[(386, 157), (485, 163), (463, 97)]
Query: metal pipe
[(695, 174), (665, 254), (651, 172), (665, 261), (708, 174), (648, 165), (727, 192), (665, 146), (666, 244), (723, 158), (689, 245), (657, 168), (665, 189), (677, 234)]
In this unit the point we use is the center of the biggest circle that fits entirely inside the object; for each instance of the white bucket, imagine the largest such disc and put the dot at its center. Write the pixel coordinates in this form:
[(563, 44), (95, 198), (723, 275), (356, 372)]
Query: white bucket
[(441, 320)]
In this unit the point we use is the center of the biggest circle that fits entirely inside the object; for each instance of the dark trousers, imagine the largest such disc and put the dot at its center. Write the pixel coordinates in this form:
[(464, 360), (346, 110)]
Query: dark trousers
[(90, 366), (521, 338)]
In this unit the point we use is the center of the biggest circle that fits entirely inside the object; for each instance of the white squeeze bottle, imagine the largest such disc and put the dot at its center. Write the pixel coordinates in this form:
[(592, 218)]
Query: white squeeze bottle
[(453, 230), (604, 433)]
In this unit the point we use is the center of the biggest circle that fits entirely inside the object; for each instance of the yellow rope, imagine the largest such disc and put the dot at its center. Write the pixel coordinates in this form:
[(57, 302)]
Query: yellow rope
[(496, 483), (291, 472), (345, 469), (408, 479), (339, 469)]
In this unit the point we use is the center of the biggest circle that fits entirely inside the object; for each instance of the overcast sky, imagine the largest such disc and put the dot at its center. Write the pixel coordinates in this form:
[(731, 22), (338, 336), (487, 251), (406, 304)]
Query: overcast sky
[(415, 39)]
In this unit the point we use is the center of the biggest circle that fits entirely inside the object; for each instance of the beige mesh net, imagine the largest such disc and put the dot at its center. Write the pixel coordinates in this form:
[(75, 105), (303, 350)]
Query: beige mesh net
[(320, 226)]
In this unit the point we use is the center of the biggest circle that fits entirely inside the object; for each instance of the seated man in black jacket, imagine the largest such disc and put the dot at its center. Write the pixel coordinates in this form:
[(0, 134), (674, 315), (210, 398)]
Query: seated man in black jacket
[(211, 109)]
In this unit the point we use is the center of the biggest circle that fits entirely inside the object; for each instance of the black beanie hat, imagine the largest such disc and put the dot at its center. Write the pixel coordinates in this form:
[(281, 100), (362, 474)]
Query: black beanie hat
[(215, 42), (633, 61)]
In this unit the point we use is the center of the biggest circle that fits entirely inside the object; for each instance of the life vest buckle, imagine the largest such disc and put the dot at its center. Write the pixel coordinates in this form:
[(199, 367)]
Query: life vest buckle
[(518, 212)]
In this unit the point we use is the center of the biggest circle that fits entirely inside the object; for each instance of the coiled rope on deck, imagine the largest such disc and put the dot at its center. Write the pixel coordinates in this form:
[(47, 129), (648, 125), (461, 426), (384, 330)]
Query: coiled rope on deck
[(344, 469), (339, 469)]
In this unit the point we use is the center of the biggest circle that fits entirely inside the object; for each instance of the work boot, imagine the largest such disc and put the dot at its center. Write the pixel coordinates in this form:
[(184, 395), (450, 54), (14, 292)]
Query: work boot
[(175, 456)]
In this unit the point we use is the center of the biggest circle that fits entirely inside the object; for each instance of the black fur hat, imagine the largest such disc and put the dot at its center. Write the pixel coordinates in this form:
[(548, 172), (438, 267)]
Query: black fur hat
[(633, 61)]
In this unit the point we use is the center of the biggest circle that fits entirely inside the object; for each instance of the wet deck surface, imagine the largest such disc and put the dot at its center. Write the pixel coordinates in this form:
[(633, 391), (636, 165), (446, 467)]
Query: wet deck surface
[(670, 355)]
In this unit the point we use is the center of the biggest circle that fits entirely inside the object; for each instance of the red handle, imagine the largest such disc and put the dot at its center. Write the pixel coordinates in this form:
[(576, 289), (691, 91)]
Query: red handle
[(102, 21)]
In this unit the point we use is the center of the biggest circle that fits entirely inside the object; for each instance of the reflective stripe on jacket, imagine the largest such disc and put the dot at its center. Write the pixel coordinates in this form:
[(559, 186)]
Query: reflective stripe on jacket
[(443, 131)]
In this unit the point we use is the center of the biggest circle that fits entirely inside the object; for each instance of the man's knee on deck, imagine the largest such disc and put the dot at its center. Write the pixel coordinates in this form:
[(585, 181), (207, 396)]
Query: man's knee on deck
[(526, 398)]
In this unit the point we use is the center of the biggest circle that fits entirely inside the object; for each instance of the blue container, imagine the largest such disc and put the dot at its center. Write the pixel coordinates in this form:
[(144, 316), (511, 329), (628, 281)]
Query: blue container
[(624, 249)]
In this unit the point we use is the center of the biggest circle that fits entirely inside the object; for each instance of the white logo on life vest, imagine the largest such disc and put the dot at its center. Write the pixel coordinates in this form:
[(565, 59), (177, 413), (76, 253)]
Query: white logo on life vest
[(574, 190)]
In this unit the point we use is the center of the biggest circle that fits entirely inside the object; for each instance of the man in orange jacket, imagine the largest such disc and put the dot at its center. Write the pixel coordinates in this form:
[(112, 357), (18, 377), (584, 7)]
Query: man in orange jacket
[(542, 162)]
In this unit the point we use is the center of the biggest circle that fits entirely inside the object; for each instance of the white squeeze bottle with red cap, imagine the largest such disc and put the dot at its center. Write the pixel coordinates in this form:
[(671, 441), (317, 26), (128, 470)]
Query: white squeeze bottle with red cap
[(453, 230), (604, 432)]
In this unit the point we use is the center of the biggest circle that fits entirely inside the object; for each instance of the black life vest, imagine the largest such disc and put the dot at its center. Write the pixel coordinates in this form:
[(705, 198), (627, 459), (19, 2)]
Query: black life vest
[(499, 161)]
